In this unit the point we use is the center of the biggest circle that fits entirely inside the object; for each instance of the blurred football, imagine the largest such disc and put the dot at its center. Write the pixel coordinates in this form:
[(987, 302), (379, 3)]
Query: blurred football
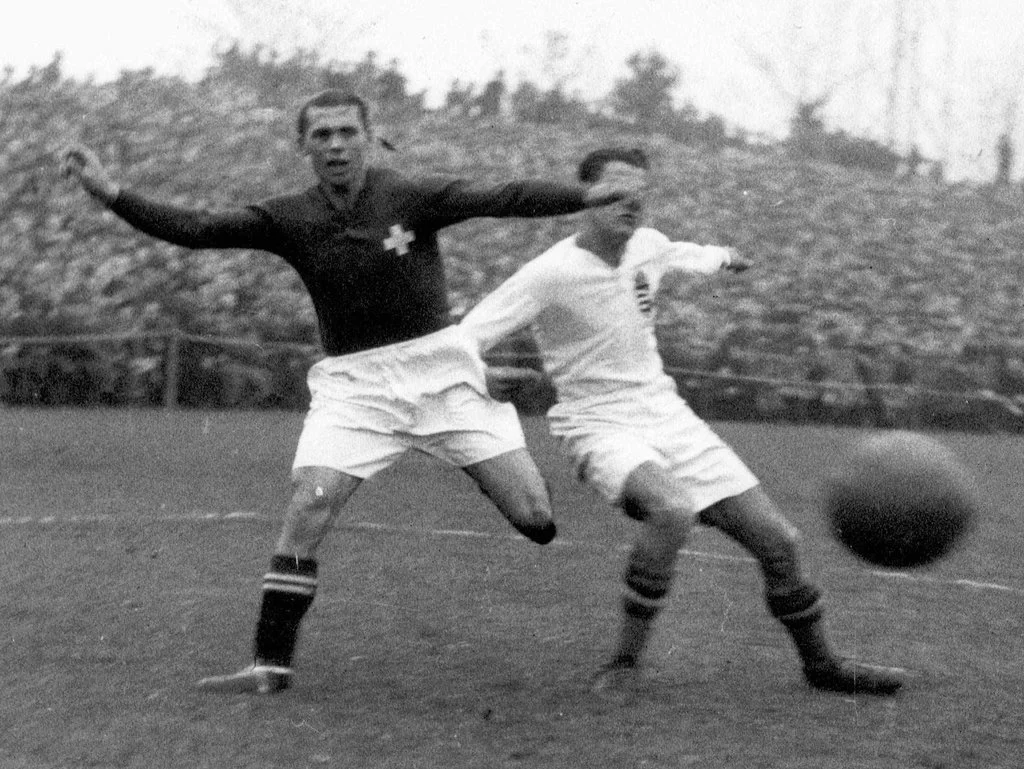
[(901, 500)]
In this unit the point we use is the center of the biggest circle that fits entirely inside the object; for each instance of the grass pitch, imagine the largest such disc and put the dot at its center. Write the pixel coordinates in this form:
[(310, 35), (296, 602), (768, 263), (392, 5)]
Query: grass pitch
[(132, 544)]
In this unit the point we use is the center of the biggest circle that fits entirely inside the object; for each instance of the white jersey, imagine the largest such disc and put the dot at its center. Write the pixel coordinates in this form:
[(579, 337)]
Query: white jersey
[(592, 322)]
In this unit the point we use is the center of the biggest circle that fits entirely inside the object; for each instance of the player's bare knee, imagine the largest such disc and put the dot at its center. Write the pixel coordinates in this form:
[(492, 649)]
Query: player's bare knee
[(316, 496), (528, 509), (311, 498), (662, 514), (534, 520), (541, 533)]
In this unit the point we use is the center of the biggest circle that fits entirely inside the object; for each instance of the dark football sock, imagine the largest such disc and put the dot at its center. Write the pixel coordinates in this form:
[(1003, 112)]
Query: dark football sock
[(801, 612), (288, 591), (646, 589)]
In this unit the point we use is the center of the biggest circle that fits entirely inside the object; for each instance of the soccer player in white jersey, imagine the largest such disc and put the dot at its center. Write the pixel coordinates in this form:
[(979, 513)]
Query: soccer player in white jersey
[(588, 302)]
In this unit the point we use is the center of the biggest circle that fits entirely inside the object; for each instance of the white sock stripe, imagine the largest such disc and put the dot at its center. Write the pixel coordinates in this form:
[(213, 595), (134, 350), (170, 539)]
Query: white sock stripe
[(272, 669), (295, 579), (654, 603), (811, 611)]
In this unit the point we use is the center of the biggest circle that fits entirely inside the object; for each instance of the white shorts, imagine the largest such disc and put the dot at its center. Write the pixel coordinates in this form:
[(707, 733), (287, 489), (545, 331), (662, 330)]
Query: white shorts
[(370, 407), (608, 439)]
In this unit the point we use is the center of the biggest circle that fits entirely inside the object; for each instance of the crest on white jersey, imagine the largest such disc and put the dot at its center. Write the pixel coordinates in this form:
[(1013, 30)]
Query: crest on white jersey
[(642, 293)]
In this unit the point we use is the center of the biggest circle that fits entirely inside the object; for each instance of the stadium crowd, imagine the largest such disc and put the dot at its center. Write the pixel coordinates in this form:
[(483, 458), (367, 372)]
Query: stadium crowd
[(862, 280)]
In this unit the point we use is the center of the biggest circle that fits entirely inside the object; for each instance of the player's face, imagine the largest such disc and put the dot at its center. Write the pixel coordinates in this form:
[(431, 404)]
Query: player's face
[(624, 216), (337, 143)]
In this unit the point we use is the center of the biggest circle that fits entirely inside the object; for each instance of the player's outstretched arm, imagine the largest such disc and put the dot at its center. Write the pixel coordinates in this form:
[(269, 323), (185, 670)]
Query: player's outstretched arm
[(691, 257), (738, 262), (81, 163), (240, 228), (455, 200)]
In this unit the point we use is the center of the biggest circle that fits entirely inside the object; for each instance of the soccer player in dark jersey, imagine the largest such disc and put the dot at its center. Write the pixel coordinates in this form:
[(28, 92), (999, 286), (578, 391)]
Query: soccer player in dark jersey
[(398, 374)]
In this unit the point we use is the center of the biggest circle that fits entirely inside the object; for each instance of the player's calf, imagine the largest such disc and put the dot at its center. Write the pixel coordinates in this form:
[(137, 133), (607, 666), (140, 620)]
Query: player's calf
[(646, 584)]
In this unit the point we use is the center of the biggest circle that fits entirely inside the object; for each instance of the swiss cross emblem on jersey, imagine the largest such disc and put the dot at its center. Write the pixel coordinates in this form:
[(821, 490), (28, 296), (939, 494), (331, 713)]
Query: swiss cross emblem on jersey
[(642, 293), (398, 240)]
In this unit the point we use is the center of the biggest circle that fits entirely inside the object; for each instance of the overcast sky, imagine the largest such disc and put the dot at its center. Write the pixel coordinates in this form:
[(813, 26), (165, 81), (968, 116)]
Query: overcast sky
[(747, 60)]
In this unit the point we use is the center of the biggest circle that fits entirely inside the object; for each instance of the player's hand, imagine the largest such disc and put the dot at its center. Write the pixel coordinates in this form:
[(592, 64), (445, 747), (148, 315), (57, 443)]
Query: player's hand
[(738, 262), (506, 383), (614, 190), (81, 163)]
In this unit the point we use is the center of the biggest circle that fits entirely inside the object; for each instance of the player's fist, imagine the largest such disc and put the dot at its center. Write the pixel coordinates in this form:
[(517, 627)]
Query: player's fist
[(519, 385), (738, 262), (504, 382), (613, 190), (81, 163)]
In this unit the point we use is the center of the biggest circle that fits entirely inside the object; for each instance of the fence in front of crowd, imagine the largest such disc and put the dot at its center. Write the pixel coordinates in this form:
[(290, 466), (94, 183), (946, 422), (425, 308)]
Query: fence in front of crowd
[(173, 369)]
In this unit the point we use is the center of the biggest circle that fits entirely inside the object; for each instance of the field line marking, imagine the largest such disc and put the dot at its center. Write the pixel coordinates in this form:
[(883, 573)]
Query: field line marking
[(52, 520), (935, 580), (246, 515)]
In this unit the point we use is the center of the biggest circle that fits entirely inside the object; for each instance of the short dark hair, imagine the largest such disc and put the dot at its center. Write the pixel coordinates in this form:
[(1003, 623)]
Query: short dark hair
[(333, 97), (592, 166)]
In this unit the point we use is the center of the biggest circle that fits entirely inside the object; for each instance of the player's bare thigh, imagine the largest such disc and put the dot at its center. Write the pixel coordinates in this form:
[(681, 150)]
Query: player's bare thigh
[(751, 514), (514, 484), (318, 495)]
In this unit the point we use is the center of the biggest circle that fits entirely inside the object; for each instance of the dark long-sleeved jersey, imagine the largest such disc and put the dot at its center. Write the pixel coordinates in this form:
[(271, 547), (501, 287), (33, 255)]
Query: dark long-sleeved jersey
[(374, 272)]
